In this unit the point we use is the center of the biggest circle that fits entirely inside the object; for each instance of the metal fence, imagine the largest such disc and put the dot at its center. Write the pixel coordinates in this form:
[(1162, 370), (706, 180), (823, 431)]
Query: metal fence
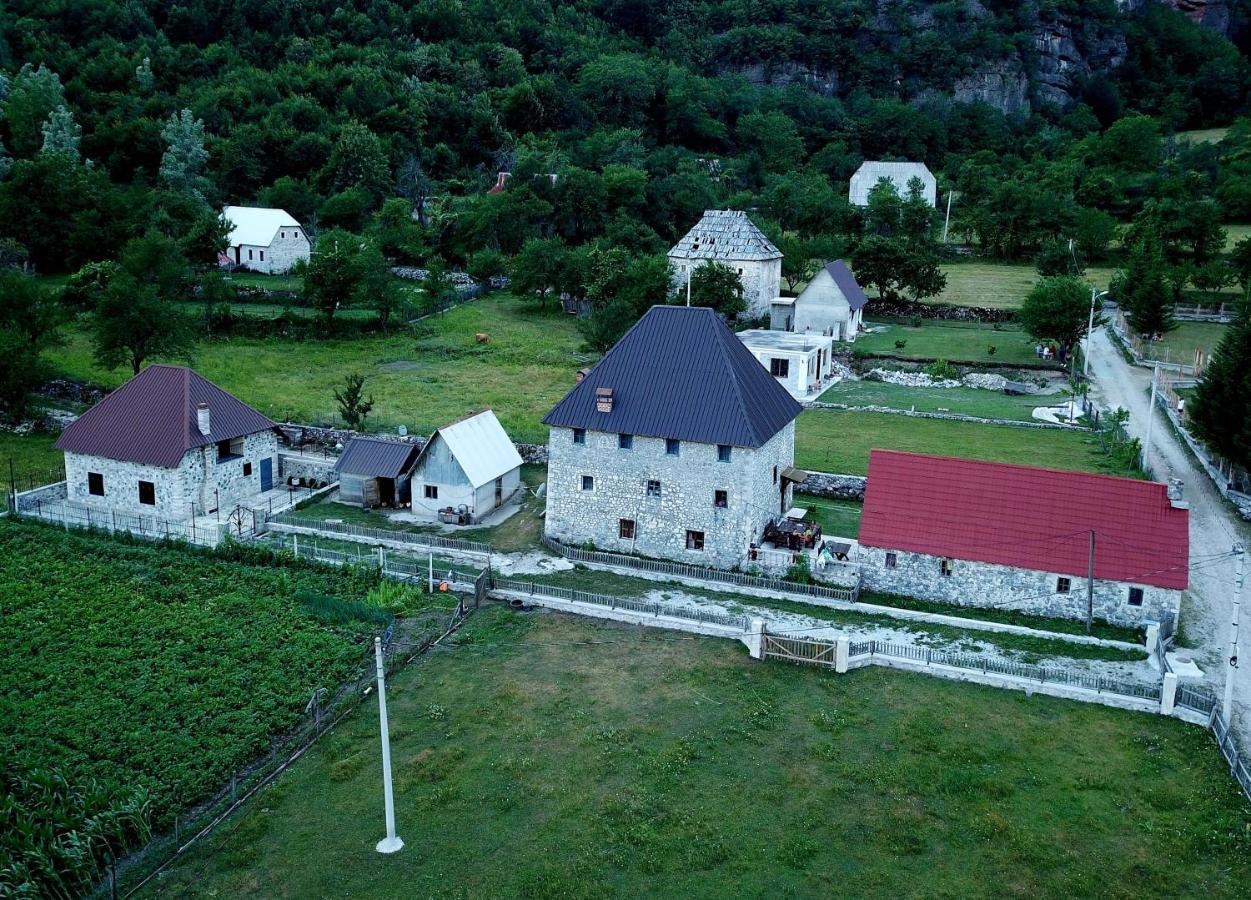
[(147, 527), (679, 570), (648, 607), (414, 539)]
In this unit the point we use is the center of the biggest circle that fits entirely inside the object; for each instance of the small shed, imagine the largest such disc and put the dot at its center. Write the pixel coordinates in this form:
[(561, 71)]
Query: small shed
[(801, 363), (471, 463), (376, 471)]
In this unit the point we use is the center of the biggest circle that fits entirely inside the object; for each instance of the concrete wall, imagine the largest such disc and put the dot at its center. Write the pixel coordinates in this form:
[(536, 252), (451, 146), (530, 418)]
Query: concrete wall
[(823, 309), (762, 280), (688, 483), (802, 371), (1021, 590), (281, 254)]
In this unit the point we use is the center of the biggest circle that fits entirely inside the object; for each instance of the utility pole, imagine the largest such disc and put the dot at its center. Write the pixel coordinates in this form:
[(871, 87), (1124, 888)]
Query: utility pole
[(1227, 705), (391, 843), (1090, 584), (689, 268), (1146, 449), (947, 220), (1090, 328)]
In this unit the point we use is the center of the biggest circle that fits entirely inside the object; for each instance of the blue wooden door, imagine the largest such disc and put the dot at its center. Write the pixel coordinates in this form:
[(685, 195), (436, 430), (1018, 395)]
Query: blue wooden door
[(267, 474)]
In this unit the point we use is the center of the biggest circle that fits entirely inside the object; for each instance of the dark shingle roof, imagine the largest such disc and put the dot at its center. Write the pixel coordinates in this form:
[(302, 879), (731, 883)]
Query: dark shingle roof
[(376, 457), (681, 373), (847, 283), (152, 419)]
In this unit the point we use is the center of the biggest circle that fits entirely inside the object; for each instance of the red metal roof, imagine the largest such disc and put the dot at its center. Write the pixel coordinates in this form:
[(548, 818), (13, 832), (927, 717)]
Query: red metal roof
[(152, 419), (1025, 517)]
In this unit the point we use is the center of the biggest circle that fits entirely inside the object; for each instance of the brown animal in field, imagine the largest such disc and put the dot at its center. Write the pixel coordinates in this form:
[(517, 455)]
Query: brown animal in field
[(482, 338)]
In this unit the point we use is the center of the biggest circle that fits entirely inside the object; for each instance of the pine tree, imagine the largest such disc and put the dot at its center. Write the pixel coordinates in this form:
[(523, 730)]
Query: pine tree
[(1143, 289), (61, 134), (1221, 410), (182, 164), (32, 96)]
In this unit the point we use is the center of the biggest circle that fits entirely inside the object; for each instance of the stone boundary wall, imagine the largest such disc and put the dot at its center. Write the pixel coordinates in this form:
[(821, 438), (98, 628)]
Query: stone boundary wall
[(48, 494), (903, 309), (296, 435), (950, 417), (839, 487)]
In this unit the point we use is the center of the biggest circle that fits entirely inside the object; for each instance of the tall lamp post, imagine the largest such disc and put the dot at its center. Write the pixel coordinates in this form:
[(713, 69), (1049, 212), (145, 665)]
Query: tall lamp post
[(1095, 294)]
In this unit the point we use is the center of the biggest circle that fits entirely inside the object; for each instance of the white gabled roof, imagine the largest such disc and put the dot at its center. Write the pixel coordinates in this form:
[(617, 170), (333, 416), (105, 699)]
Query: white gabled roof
[(256, 225), (481, 447)]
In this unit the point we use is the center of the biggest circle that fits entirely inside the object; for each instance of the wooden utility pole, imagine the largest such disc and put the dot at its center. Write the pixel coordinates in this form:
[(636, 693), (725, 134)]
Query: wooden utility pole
[(1090, 584)]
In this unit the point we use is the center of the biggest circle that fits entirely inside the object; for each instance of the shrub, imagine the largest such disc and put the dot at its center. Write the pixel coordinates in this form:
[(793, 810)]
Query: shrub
[(941, 369), (914, 321), (990, 350), (899, 345)]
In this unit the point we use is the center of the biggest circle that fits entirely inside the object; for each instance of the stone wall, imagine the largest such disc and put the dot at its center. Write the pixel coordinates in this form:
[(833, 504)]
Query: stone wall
[(687, 489), (761, 278), (1020, 590), (303, 467), (281, 254), (842, 487), (41, 496)]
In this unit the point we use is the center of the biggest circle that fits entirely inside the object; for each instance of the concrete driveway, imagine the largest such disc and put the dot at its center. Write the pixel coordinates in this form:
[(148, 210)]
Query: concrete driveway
[(1214, 527)]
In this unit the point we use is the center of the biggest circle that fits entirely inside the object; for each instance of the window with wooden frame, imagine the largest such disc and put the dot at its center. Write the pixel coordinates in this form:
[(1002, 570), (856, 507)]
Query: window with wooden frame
[(1063, 585), (892, 560), (694, 540), (625, 529), (724, 452), (721, 499), (673, 447), (432, 492), (625, 441), (653, 489), (944, 568), (588, 482), (147, 493), (579, 435), (779, 368), (1135, 596), (95, 484)]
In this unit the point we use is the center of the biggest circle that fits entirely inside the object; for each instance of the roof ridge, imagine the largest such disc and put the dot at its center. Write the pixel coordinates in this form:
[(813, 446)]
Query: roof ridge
[(733, 373)]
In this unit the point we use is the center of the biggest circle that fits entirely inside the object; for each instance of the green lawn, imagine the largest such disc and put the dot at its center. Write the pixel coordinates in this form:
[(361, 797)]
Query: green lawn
[(998, 285), (420, 382), (268, 282), (966, 401), (837, 518), (948, 340), (835, 441), (1180, 344), (31, 454), (547, 756)]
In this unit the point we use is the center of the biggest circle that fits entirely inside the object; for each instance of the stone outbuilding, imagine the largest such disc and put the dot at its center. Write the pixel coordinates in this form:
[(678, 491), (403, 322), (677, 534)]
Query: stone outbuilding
[(264, 240), (1022, 538), (897, 173), (801, 363), (729, 237), (469, 466), (169, 444), (678, 445), (375, 471), (832, 304)]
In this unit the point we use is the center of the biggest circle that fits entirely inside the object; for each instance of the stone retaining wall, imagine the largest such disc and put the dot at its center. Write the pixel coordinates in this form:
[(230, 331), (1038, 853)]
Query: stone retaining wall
[(41, 496), (841, 487), (950, 417)]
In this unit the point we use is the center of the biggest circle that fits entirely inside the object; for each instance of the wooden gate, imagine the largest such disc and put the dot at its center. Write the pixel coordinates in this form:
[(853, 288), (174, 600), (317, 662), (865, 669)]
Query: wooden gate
[(798, 650)]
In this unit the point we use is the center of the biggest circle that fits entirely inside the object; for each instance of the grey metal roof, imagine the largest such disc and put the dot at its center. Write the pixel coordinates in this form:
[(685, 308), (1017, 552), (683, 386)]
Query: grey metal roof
[(681, 373), (725, 234), (847, 283), (152, 419), (377, 457)]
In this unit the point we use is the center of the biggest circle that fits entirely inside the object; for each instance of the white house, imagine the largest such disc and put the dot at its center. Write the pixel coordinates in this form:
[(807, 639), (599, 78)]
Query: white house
[(898, 173), (265, 240), (975, 533), (470, 464), (169, 444), (678, 444), (801, 362), (832, 304), (729, 237)]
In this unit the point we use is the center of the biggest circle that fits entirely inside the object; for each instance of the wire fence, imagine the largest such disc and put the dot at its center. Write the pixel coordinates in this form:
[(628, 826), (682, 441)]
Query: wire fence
[(146, 527), (1225, 741), (363, 532), (647, 607)]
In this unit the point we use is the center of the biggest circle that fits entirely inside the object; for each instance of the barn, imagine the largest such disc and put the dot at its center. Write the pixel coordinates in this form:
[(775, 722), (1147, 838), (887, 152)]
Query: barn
[(376, 471), (469, 466)]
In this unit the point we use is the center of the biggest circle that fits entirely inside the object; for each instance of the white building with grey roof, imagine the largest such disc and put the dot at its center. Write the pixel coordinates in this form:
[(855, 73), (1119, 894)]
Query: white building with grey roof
[(897, 173), (729, 237)]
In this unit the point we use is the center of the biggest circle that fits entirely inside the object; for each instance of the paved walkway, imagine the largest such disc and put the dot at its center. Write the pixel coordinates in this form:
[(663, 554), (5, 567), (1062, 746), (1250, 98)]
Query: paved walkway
[(1214, 528)]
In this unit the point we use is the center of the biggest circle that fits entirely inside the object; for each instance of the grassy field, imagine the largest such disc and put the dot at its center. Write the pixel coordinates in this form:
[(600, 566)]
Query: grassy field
[(837, 518), (32, 454), (948, 340), (998, 285), (966, 401), (421, 382), (529, 762), (1180, 344), (835, 441)]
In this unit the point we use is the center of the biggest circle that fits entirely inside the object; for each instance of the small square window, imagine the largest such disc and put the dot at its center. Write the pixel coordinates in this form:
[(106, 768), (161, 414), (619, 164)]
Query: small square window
[(625, 441), (579, 435), (944, 568), (723, 452), (673, 447), (720, 499), (775, 474), (694, 540), (588, 482), (779, 368), (1063, 585), (625, 529), (1135, 596), (147, 493), (432, 492), (653, 488), (95, 484), (892, 560), (247, 469), (296, 233)]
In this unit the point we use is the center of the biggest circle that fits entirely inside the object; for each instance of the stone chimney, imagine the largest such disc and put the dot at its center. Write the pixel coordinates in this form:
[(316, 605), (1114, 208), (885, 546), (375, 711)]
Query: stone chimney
[(202, 419)]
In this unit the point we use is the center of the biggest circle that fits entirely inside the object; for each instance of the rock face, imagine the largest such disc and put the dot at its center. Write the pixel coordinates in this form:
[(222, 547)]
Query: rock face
[(1067, 52), (1217, 15), (1004, 86)]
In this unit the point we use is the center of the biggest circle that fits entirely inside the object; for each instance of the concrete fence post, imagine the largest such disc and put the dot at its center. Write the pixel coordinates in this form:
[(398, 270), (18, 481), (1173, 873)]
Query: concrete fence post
[(842, 650), (1168, 693), (755, 639)]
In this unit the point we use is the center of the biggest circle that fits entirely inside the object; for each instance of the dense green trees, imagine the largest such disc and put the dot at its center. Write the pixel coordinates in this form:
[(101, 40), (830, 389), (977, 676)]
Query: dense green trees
[(1058, 309), (1221, 410)]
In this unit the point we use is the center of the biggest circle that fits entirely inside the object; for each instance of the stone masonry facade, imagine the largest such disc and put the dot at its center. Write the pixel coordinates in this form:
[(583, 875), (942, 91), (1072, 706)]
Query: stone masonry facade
[(761, 278), (755, 492), (281, 254), (1020, 590), (198, 479)]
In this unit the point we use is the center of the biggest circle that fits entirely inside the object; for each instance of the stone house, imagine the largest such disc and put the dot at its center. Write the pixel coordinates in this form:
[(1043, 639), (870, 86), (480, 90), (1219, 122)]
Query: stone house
[(678, 445), (170, 444), (471, 464), (729, 237), (801, 363), (376, 471), (832, 304), (1018, 537), (899, 174), (265, 240)]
